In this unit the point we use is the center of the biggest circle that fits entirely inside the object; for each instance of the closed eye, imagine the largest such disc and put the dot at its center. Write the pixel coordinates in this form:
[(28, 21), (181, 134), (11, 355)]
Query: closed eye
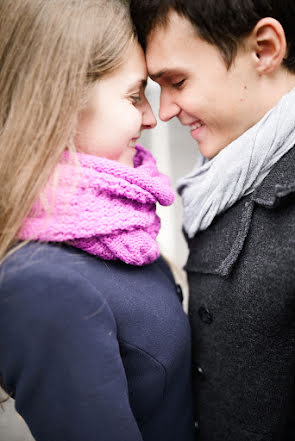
[(178, 85), (135, 99)]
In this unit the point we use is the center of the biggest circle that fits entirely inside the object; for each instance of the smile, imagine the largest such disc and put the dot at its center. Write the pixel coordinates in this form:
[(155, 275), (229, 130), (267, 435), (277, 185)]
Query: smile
[(133, 142), (196, 125)]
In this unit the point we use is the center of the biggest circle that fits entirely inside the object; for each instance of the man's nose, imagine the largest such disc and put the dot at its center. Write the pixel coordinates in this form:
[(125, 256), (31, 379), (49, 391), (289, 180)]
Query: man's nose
[(168, 108)]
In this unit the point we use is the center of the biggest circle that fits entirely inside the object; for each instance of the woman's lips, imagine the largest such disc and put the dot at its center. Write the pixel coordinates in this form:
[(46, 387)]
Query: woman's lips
[(133, 142)]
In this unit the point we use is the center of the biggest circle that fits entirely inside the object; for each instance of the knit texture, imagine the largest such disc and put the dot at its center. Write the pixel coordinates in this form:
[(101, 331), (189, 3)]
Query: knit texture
[(103, 207)]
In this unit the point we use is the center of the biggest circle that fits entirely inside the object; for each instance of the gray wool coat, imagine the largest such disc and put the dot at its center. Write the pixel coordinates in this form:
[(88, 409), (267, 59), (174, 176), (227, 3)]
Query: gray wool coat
[(241, 274)]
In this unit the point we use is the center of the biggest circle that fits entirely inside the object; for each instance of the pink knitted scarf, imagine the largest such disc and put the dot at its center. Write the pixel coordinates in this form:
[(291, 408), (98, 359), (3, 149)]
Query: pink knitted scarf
[(103, 207)]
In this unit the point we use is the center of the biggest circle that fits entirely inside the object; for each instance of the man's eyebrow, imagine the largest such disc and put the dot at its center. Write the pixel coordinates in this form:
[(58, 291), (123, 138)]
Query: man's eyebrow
[(164, 73), (137, 84)]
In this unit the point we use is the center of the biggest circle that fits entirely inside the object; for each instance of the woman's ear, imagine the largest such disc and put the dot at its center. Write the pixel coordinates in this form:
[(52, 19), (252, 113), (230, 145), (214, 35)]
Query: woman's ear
[(270, 45)]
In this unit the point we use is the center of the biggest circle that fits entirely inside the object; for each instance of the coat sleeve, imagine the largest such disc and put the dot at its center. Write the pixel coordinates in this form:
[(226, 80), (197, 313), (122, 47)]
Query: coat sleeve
[(60, 357)]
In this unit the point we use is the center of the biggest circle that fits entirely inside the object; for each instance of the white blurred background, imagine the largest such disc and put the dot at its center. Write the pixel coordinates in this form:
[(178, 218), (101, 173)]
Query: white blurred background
[(176, 153)]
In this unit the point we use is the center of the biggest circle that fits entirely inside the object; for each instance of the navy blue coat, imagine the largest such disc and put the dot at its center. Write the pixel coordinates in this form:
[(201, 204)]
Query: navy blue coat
[(94, 350)]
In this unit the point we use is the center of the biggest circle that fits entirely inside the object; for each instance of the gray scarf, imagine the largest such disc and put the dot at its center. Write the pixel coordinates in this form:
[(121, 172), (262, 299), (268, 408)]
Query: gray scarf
[(238, 169)]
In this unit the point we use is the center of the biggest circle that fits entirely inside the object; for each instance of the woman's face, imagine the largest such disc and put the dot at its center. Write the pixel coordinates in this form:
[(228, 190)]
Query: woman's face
[(116, 111)]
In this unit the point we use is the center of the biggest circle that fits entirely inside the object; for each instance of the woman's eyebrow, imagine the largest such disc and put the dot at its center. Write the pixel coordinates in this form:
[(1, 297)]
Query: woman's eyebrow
[(138, 84)]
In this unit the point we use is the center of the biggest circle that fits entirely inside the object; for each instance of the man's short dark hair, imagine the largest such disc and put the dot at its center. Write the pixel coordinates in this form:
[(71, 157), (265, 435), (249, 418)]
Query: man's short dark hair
[(223, 23)]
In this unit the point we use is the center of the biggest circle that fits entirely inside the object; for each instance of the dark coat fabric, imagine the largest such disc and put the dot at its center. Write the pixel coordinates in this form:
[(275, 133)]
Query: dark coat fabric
[(241, 274), (94, 350)]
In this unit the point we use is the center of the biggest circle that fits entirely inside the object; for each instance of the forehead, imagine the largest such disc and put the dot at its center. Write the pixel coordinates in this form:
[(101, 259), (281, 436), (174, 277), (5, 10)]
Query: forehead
[(132, 72), (134, 61), (171, 45)]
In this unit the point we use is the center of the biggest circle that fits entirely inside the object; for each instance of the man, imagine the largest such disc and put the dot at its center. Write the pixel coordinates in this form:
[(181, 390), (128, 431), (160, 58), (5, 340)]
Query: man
[(227, 70)]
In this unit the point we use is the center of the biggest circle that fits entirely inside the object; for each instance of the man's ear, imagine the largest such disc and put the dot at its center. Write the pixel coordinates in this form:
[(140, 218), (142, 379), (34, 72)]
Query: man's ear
[(269, 44)]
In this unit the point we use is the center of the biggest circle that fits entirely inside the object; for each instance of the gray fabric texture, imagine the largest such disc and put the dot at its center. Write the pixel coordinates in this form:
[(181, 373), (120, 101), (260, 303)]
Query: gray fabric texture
[(242, 313), (238, 169)]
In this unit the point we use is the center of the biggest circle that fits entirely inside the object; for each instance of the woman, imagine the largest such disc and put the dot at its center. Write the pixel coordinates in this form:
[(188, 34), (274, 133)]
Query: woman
[(94, 342)]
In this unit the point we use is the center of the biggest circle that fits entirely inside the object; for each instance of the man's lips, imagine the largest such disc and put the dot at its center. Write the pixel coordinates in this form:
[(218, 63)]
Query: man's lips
[(196, 128), (196, 125)]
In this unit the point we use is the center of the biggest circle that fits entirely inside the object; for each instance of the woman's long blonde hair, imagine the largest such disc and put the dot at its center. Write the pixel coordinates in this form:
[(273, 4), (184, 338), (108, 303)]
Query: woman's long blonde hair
[(50, 51)]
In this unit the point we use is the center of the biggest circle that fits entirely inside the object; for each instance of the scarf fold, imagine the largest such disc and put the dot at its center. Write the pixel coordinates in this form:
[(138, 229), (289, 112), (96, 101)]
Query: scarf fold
[(103, 207), (237, 170)]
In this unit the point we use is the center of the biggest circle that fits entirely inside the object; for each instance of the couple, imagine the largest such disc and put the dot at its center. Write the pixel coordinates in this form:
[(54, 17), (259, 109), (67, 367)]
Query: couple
[(94, 343)]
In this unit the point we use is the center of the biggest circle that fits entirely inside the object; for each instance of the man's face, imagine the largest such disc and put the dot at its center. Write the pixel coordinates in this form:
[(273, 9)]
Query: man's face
[(217, 104)]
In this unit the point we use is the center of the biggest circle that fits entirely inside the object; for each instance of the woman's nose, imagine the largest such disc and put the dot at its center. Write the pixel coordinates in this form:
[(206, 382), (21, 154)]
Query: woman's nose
[(148, 118)]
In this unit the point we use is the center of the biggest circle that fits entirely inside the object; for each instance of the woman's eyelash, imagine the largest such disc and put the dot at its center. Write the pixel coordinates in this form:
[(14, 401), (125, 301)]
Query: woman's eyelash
[(135, 98)]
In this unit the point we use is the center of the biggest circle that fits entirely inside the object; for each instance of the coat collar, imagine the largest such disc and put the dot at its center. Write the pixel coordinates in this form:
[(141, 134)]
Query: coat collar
[(280, 182), (215, 250)]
